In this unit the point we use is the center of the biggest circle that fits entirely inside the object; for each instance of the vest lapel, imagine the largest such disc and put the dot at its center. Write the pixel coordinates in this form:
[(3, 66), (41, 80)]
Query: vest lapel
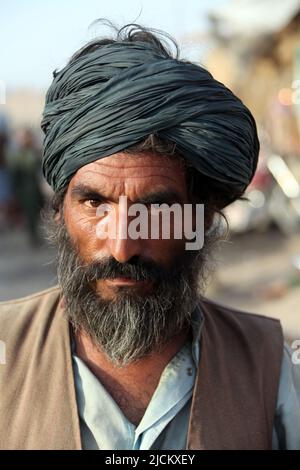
[(38, 407), (235, 394)]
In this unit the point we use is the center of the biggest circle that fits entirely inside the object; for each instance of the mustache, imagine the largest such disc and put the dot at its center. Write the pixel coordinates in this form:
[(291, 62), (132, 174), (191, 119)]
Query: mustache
[(137, 269)]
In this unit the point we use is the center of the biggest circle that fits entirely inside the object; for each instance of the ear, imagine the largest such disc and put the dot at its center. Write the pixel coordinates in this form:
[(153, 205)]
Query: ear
[(58, 215), (60, 209), (208, 219)]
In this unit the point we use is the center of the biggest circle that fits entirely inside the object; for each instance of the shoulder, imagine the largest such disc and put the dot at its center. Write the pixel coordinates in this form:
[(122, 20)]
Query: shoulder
[(35, 298), (12, 310), (253, 328), (249, 318)]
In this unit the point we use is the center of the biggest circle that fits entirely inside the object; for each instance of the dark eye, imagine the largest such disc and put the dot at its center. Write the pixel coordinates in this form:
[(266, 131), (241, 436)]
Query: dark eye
[(94, 203)]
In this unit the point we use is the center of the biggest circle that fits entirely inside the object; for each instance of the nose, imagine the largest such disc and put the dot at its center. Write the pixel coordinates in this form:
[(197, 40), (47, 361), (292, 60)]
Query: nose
[(124, 249), (121, 246)]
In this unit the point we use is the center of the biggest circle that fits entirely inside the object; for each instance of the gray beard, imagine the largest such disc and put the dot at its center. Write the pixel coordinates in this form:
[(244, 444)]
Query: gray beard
[(131, 326)]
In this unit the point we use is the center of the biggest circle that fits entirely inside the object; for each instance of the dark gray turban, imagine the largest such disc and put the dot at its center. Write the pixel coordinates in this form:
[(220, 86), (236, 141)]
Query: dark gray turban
[(113, 97)]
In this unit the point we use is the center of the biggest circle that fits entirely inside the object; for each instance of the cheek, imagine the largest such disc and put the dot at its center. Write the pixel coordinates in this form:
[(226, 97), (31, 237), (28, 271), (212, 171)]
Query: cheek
[(82, 230), (167, 247), (164, 251)]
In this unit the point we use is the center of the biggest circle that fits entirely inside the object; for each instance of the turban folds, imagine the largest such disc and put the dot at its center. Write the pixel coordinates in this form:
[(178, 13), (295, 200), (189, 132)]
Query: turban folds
[(116, 95)]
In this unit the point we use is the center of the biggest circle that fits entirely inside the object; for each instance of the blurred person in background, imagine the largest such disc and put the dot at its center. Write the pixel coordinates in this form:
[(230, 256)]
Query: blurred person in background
[(25, 168), (6, 195)]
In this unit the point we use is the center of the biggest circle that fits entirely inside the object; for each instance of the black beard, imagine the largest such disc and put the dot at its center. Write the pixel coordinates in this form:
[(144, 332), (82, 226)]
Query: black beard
[(131, 326)]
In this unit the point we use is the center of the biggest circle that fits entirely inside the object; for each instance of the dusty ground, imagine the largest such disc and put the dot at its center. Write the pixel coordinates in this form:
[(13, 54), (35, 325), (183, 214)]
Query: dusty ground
[(256, 273)]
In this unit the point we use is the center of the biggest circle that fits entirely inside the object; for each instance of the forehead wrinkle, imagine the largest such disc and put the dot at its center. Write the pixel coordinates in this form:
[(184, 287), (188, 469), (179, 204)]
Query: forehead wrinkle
[(132, 177), (121, 160), (127, 165), (138, 168)]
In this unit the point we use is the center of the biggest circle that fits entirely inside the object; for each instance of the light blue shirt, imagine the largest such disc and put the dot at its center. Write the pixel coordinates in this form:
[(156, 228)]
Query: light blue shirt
[(164, 425)]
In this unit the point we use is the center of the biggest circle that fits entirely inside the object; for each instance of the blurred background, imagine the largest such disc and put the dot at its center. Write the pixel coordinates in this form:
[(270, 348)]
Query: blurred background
[(252, 46)]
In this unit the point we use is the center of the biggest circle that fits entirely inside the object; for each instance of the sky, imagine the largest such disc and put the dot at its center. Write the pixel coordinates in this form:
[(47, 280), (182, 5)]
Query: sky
[(37, 36)]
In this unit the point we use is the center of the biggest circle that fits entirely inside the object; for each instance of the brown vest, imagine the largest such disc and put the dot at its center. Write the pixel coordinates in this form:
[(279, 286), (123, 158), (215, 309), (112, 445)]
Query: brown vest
[(234, 398)]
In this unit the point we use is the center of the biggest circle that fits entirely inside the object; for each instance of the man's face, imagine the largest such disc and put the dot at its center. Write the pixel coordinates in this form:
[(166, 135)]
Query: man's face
[(129, 295), (144, 178)]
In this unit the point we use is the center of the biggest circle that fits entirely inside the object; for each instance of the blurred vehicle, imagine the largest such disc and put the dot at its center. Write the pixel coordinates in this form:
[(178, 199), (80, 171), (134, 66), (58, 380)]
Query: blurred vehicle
[(273, 197)]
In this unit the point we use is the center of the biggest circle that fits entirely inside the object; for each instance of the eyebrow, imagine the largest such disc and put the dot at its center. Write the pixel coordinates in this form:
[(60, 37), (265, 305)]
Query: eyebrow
[(164, 196), (160, 197), (83, 191)]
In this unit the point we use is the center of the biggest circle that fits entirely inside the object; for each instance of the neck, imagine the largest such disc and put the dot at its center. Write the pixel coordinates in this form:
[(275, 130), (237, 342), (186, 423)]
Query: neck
[(133, 385)]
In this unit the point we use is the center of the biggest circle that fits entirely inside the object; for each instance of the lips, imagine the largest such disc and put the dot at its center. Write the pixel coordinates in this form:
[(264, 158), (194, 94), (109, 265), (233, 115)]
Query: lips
[(125, 281)]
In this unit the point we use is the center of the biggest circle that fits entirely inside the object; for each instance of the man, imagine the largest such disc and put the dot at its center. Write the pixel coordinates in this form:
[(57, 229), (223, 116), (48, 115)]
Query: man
[(127, 353), (5, 184), (24, 164)]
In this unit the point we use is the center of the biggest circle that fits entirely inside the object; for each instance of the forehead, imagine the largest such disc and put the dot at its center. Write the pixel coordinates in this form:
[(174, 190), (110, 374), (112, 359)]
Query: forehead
[(140, 170)]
